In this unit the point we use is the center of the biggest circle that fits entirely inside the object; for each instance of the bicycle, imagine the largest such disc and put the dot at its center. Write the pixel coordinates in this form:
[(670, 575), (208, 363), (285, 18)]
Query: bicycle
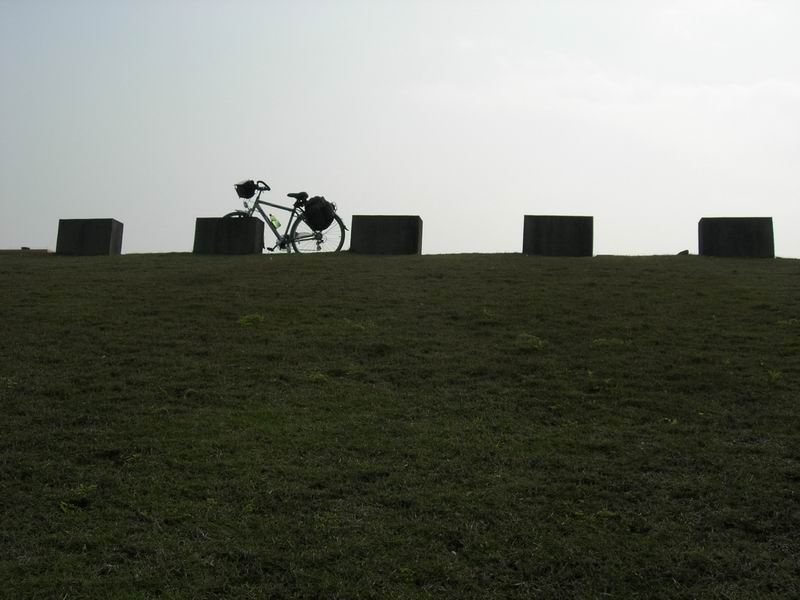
[(298, 235)]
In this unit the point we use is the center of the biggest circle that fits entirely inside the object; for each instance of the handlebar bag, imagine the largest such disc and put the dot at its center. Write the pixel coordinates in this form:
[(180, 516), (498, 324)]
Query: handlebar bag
[(246, 189), (319, 213)]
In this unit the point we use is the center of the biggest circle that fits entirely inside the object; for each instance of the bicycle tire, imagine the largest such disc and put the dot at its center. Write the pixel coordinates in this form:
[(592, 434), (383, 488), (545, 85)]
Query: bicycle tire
[(236, 214), (305, 239)]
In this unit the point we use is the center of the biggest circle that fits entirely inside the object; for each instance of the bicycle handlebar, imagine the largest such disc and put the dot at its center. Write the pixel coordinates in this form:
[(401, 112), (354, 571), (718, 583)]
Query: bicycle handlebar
[(261, 185)]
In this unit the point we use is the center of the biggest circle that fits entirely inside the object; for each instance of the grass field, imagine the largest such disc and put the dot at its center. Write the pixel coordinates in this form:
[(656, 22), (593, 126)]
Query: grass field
[(471, 426)]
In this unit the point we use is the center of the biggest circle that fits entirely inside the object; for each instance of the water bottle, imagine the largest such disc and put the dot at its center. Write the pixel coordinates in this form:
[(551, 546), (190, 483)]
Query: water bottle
[(274, 220)]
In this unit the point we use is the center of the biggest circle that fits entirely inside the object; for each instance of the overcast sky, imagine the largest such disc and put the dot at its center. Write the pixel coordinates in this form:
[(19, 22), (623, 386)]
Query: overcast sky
[(647, 115)]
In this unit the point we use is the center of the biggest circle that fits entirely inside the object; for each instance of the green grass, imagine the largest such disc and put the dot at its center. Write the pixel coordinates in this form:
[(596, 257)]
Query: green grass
[(474, 426)]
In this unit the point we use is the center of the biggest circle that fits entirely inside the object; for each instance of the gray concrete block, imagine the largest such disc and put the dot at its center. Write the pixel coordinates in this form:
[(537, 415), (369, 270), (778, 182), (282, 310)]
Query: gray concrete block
[(745, 237), (234, 235), (553, 235), (386, 234), (89, 237)]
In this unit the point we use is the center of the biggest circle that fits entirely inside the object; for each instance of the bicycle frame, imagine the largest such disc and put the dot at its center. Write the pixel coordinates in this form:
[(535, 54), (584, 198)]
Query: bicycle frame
[(282, 239)]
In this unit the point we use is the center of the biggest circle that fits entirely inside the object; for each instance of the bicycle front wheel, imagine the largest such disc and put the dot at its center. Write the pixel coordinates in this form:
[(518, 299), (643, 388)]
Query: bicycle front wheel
[(306, 239), (237, 214)]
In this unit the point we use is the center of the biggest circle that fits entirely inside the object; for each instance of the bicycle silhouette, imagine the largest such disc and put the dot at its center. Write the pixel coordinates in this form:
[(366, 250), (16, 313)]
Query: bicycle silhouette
[(313, 224)]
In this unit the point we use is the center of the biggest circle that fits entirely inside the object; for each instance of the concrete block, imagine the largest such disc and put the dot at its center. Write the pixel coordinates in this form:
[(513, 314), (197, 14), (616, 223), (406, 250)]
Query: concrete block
[(234, 235), (386, 234), (745, 237), (551, 235), (89, 237)]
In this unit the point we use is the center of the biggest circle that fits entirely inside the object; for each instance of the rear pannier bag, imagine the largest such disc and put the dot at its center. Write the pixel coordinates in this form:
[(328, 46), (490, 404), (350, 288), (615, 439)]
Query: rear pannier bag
[(246, 189), (319, 213)]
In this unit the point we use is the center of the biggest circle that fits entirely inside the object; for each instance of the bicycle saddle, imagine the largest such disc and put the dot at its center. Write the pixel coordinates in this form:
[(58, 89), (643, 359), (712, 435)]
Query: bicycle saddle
[(302, 196)]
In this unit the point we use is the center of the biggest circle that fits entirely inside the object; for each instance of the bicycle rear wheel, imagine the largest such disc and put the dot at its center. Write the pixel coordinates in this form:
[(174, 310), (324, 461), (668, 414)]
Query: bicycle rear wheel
[(306, 239)]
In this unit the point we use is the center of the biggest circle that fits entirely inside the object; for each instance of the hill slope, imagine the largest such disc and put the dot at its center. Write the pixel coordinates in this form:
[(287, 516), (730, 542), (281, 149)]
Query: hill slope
[(487, 426)]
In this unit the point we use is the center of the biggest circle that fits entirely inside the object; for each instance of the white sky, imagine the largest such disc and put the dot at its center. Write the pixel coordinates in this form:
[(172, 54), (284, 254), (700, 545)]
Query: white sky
[(645, 114)]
